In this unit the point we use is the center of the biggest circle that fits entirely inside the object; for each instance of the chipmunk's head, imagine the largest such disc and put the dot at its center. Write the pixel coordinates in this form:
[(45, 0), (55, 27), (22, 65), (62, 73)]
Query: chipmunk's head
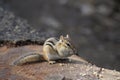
[(65, 46)]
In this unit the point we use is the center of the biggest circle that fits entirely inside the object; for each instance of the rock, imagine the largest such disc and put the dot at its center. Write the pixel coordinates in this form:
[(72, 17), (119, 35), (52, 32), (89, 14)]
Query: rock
[(16, 29), (74, 70)]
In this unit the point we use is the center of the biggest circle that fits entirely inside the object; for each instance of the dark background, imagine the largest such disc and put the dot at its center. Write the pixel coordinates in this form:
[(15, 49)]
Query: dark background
[(94, 25)]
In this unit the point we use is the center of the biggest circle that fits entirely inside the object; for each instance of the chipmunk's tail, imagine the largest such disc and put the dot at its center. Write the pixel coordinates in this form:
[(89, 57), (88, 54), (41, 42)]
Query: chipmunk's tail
[(28, 58)]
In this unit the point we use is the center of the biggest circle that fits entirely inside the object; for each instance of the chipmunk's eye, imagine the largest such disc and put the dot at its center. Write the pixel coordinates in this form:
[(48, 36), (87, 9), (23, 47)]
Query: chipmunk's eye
[(68, 44)]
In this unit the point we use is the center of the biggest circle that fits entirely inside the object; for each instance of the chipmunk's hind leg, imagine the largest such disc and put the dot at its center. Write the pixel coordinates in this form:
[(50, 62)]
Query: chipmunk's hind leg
[(50, 54), (49, 58), (51, 62)]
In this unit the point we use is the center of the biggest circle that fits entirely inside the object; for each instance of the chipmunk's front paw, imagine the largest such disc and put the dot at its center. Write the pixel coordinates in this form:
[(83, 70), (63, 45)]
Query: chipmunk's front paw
[(52, 62)]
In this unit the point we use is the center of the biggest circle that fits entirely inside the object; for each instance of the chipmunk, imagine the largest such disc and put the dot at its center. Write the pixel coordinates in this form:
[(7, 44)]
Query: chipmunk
[(53, 49)]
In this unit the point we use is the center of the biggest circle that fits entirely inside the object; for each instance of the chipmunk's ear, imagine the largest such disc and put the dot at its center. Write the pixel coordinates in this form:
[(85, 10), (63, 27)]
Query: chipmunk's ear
[(61, 38), (67, 36)]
